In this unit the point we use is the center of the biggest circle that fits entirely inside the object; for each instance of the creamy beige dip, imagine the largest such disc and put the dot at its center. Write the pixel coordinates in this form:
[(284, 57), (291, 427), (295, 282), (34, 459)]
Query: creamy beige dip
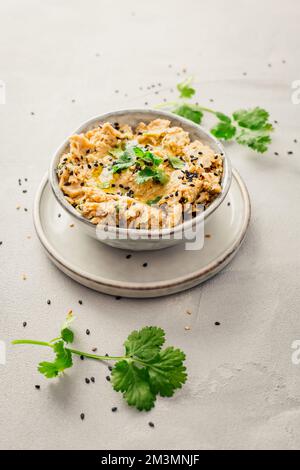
[(142, 178)]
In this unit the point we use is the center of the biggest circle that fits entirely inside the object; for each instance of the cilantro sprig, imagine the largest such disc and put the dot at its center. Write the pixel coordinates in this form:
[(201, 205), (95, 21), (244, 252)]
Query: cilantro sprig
[(250, 127), (144, 159), (144, 371)]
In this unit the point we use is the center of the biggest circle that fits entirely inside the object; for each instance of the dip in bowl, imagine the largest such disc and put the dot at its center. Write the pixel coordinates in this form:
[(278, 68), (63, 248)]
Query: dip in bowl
[(140, 179)]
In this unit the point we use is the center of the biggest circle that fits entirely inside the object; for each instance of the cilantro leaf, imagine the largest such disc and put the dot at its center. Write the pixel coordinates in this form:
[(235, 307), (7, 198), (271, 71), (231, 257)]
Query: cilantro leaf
[(254, 118), (148, 173), (134, 383), (148, 370), (161, 176), (48, 369), (63, 360), (146, 156), (144, 175), (167, 372), (125, 161), (223, 117), (67, 335), (248, 127), (149, 157), (189, 111), (176, 163), (139, 152), (224, 130), (185, 90), (253, 128), (145, 343), (258, 140)]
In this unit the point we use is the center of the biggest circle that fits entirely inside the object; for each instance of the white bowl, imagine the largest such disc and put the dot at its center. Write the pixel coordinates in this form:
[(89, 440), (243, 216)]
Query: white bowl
[(142, 239)]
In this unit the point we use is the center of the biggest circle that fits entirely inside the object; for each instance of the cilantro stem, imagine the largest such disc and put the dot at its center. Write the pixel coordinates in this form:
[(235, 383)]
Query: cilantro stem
[(166, 105), (30, 341), (73, 351), (203, 108), (176, 103), (95, 356)]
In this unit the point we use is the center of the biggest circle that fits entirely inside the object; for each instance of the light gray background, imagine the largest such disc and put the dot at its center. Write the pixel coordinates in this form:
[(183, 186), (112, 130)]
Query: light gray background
[(243, 390)]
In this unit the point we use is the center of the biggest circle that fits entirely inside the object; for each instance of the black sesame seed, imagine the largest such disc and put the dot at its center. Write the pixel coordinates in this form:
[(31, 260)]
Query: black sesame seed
[(82, 416), (1, 243), (82, 357), (110, 368), (93, 379), (108, 378), (276, 153), (128, 256), (48, 301), (37, 387), (80, 302), (118, 297), (94, 349), (88, 332), (145, 265), (24, 323), (228, 203), (87, 381), (58, 215), (24, 191), (217, 323), (89, 166), (289, 153), (32, 113), (151, 424), (114, 409)]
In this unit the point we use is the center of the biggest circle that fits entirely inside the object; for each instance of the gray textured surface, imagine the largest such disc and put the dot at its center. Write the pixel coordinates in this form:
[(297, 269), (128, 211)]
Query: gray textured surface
[(243, 390)]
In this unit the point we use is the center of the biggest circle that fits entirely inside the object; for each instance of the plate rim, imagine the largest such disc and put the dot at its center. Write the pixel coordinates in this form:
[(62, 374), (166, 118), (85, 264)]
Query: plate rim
[(206, 272)]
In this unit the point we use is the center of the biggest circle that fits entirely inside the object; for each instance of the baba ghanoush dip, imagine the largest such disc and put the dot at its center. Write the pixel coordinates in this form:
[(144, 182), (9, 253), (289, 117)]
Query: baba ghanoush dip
[(146, 177)]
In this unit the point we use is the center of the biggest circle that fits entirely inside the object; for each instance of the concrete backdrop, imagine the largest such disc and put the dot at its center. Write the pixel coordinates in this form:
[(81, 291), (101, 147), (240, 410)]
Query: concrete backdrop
[(62, 62)]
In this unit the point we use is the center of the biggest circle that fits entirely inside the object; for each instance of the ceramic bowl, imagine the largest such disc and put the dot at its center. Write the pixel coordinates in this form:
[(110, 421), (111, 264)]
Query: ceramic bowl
[(142, 239)]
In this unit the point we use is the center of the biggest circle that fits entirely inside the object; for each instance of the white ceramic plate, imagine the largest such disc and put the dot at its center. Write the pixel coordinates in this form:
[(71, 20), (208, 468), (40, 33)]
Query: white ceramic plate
[(108, 270)]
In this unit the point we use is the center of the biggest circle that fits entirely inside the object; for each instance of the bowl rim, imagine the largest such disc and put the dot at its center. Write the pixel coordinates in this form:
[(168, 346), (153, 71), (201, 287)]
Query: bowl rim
[(185, 225)]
